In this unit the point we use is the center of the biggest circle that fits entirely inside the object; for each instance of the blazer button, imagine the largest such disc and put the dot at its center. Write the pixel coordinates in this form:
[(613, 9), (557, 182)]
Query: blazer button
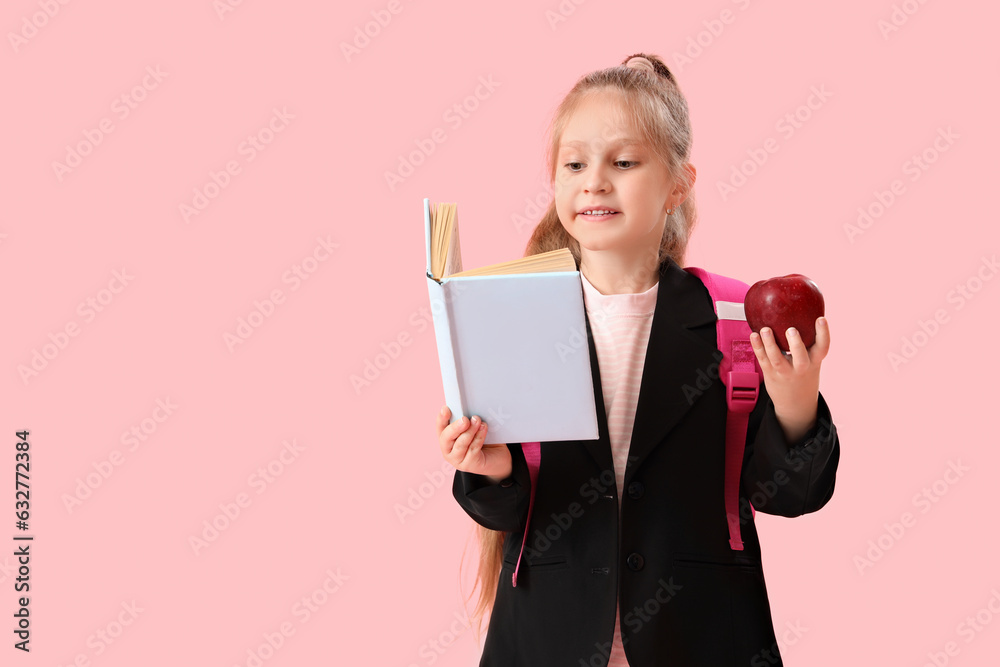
[(507, 482), (634, 561), (635, 490)]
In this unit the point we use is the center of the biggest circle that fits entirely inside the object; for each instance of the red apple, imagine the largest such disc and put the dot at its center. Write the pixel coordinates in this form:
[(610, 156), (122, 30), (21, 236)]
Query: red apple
[(789, 301)]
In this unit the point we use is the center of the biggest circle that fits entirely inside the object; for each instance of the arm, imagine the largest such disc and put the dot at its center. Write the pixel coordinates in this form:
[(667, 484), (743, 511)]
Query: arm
[(792, 452), (500, 506), (789, 477)]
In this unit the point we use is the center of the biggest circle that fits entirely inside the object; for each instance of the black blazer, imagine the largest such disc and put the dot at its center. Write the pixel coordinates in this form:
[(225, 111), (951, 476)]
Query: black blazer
[(685, 598)]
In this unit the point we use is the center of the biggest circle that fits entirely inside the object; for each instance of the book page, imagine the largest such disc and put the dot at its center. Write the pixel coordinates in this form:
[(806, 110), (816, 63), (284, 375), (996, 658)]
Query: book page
[(454, 261), (554, 260), (446, 253)]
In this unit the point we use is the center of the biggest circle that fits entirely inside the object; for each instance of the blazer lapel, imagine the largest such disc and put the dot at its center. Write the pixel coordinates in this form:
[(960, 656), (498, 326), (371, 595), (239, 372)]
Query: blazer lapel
[(674, 355)]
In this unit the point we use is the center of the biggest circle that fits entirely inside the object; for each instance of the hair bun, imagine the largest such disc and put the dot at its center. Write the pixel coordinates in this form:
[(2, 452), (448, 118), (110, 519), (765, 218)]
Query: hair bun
[(648, 62), (640, 62)]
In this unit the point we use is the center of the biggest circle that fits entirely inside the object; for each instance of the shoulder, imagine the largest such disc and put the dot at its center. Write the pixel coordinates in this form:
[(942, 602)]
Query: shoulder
[(685, 291)]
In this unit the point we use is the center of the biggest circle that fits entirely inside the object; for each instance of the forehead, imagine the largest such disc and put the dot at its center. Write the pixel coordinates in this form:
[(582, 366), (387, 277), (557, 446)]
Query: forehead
[(602, 120)]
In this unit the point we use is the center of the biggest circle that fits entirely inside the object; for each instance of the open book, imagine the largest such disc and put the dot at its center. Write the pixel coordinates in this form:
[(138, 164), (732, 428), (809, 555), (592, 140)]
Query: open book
[(511, 339)]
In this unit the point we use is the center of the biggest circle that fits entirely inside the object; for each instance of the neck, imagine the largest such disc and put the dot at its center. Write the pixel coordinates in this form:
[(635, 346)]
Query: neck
[(619, 275)]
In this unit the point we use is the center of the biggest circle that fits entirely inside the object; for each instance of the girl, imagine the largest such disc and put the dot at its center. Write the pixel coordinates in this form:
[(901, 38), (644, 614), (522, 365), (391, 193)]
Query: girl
[(628, 561)]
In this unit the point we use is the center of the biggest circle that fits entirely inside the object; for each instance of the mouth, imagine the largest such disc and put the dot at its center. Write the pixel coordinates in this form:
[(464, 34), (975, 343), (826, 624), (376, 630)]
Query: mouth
[(597, 213)]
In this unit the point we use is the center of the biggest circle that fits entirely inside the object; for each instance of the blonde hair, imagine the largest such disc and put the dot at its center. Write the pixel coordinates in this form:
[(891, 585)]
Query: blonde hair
[(659, 112)]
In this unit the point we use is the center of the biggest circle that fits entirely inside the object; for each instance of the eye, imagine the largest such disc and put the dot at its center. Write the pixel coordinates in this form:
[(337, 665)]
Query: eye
[(571, 163), (631, 162)]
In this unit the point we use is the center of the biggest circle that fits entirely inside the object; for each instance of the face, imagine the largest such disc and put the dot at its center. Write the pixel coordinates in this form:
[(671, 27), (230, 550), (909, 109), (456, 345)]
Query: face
[(602, 164)]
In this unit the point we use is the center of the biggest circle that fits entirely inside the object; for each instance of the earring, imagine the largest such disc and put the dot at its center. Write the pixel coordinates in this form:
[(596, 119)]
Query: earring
[(670, 211)]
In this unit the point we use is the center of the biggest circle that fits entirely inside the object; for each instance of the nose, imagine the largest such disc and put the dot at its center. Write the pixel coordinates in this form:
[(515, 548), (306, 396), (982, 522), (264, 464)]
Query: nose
[(597, 180)]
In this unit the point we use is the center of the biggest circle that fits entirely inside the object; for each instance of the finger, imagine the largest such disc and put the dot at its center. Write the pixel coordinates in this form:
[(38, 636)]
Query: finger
[(800, 357), (450, 435), (463, 441), (774, 353), (474, 434), (822, 345), (475, 446), (758, 349), (442, 419)]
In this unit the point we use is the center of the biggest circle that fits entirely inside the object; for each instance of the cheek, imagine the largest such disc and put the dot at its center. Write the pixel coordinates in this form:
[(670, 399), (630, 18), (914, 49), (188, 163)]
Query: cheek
[(563, 205), (565, 220), (559, 188), (566, 216)]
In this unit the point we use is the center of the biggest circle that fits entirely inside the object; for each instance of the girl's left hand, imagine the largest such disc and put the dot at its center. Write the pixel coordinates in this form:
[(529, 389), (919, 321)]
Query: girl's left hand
[(792, 378)]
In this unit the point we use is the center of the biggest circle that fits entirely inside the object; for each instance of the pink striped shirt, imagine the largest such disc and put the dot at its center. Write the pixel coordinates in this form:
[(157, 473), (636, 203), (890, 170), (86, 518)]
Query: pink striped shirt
[(620, 325)]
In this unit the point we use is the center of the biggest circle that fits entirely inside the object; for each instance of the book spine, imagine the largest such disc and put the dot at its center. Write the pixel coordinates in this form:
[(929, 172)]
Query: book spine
[(440, 299), (427, 232)]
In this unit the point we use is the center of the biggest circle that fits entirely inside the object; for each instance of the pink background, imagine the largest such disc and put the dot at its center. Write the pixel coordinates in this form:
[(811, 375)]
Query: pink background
[(364, 452)]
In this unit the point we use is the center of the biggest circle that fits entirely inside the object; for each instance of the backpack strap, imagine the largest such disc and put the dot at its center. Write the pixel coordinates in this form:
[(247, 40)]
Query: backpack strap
[(741, 374), (532, 456)]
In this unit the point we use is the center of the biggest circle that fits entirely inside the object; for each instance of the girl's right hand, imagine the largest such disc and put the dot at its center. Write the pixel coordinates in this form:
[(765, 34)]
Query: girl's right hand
[(462, 446)]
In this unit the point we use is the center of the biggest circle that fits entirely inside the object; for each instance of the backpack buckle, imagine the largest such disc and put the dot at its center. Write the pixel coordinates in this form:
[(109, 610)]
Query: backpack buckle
[(742, 389)]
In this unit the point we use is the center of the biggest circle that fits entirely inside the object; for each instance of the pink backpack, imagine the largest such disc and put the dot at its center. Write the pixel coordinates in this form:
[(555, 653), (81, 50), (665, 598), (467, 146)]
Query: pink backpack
[(740, 373)]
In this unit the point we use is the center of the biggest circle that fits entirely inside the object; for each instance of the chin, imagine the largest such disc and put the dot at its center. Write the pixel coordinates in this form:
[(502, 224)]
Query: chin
[(597, 245)]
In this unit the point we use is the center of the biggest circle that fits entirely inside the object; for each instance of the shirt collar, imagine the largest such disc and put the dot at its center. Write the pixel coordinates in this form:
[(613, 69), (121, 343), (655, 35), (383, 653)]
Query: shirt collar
[(641, 303)]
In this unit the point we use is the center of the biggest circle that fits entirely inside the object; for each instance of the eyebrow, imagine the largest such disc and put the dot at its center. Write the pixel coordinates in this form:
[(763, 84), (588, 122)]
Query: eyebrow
[(620, 141)]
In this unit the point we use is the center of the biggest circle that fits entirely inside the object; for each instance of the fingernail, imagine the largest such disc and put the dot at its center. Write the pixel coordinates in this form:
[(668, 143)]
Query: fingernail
[(475, 420), (791, 333), (443, 410)]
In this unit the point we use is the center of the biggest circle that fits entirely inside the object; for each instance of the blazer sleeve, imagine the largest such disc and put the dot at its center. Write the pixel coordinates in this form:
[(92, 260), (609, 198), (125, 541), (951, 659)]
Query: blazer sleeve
[(789, 478), (501, 506)]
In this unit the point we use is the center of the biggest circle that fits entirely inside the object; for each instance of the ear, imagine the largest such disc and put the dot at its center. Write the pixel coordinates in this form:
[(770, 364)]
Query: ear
[(684, 184), (692, 174)]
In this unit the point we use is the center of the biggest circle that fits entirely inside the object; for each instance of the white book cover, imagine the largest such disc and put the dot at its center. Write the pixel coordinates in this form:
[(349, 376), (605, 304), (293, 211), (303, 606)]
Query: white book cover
[(513, 350)]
